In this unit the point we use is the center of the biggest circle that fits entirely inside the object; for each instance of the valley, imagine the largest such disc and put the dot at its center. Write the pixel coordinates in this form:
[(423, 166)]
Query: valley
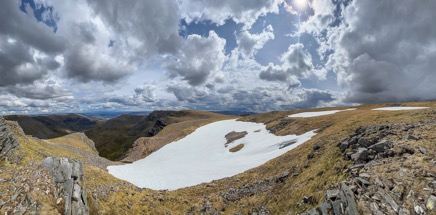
[(397, 178)]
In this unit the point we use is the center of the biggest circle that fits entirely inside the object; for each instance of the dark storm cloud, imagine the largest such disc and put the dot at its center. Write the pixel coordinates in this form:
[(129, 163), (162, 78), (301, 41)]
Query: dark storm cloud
[(84, 63), (42, 90), (18, 66), (386, 57), (312, 98), (25, 28), (20, 36)]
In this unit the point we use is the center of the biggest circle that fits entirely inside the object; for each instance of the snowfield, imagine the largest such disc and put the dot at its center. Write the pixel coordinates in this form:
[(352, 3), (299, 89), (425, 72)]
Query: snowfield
[(400, 108), (202, 157), (318, 113)]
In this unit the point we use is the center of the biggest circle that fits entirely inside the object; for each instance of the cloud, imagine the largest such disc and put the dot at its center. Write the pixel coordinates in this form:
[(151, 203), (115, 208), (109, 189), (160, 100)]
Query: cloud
[(198, 59), (87, 63), (27, 30), (249, 44), (146, 93), (42, 89), (296, 63), (310, 98), (323, 16), (385, 58), (27, 47), (243, 11), (150, 26), (21, 64)]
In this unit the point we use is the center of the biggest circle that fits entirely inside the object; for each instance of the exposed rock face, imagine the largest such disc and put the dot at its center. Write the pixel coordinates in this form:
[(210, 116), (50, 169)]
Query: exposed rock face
[(232, 136), (383, 173), (70, 187), (7, 143)]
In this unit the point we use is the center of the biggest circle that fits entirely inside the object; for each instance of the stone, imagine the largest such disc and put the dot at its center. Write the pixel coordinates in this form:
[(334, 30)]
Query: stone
[(391, 202), (332, 195), (422, 150), (283, 176), (356, 166), (313, 211), (406, 150), (353, 140), (324, 207), (68, 178), (47, 162), (343, 146), (347, 196), (382, 146), (404, 211), (374, 209), (360, 156), (8, 143), (363, 142), (364, 175), (308, 200), (316, 147), (418, 209), (431, 203), (362, 182), (337, 207), (285, 144), (232, 136)]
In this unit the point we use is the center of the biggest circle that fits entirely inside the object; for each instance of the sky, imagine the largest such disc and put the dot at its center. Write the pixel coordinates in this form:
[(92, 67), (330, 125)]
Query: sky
[(246, 55)]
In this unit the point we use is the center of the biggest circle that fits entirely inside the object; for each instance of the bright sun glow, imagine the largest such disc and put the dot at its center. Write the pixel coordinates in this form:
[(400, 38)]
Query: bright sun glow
[(301, 4)]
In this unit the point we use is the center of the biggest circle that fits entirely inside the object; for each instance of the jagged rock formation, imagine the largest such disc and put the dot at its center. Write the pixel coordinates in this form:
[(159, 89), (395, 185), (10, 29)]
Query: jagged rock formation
[(69, 181), (7, 143), (371, 148)]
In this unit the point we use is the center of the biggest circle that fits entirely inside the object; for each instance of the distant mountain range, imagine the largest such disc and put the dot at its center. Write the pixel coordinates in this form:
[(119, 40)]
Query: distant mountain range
[(52, 126)]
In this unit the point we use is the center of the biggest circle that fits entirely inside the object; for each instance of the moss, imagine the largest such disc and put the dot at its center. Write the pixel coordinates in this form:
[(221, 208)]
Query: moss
[(237, 148)]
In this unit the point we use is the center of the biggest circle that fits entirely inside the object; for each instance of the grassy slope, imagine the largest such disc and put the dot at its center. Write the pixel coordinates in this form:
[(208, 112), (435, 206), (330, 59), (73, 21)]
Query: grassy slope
[(116, 136), (109, 195), (52, 126)]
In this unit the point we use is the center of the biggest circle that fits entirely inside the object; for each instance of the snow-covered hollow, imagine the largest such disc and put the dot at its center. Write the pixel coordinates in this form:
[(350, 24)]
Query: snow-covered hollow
[(202, 157), (400, 108), (318, 113)]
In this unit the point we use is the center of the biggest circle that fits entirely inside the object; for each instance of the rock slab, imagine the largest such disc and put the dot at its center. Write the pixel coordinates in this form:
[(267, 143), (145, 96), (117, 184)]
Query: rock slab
[(69, 180)]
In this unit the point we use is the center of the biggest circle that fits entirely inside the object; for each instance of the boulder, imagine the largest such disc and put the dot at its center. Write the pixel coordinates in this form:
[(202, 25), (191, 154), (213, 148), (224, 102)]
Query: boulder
[(382, 146), (343, 146), (69, 181), (363, 142), (347, 197), (361, 156), (8, 143)]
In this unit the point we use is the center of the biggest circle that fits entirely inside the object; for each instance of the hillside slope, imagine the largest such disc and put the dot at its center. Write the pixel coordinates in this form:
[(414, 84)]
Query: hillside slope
[(52, 126), (293, 183), (115, 137)]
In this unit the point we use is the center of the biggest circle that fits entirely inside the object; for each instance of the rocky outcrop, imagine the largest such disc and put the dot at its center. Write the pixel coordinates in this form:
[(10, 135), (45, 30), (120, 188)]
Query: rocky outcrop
[(338, 201), (69, 180), (233, 136), (383, 173), (8, 143)]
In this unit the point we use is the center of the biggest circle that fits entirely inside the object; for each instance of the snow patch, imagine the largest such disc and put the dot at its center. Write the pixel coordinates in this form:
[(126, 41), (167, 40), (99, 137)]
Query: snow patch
[(318, 113), (202, 157), (400, 108)]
